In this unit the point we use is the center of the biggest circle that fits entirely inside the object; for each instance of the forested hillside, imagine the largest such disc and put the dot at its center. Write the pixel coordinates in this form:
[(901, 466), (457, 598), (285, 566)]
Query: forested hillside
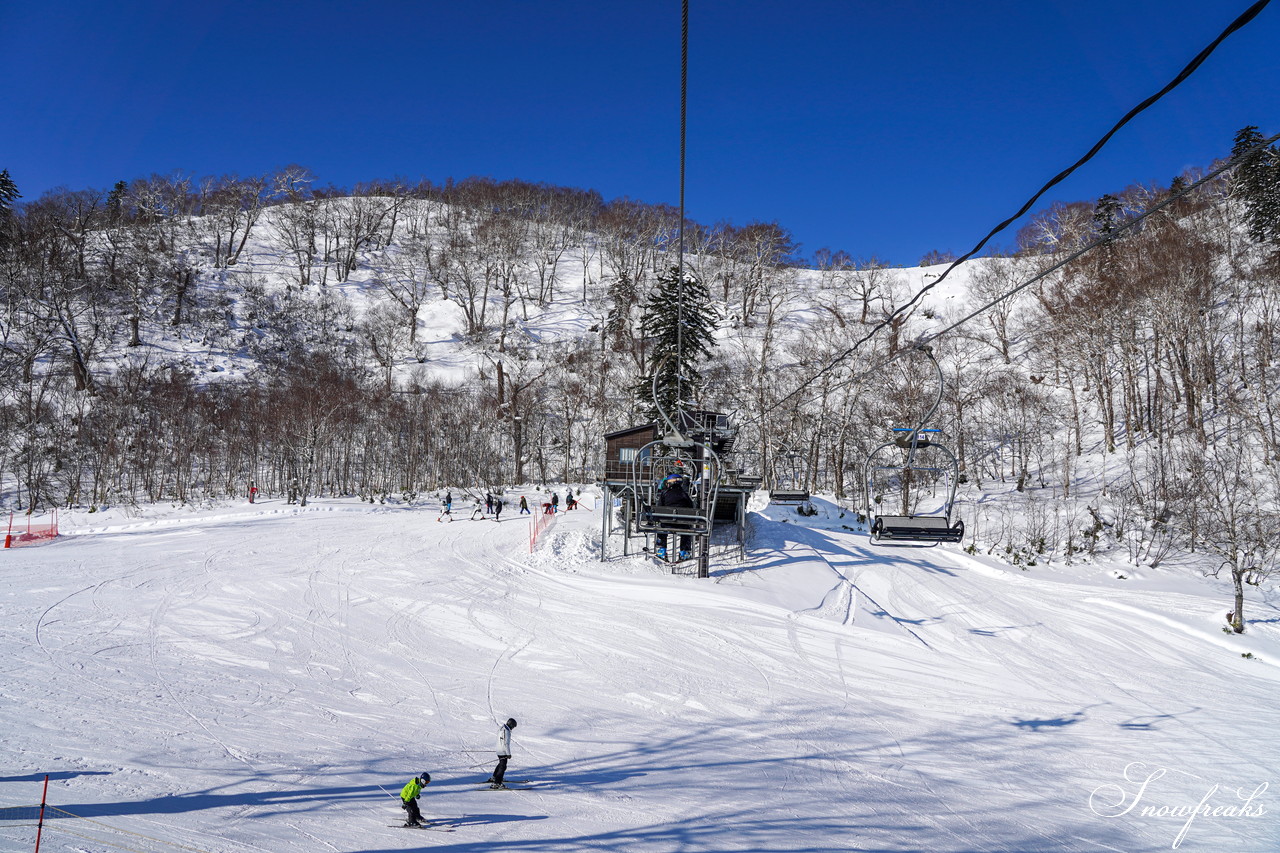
[(174, 339)]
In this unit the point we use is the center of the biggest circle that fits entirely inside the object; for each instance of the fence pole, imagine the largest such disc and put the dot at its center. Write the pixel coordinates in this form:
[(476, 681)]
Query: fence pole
[(40, 824)]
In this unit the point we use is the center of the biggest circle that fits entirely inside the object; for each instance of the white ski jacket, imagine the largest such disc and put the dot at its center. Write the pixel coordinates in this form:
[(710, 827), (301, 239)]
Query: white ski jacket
[(504, 741)]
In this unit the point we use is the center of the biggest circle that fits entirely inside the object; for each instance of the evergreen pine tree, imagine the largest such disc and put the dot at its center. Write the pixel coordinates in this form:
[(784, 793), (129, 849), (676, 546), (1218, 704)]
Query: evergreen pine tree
[(679, 326), (1180, 206), (622, 296), (1257, 184), (115, 201), (1106, 214), (8, 195)]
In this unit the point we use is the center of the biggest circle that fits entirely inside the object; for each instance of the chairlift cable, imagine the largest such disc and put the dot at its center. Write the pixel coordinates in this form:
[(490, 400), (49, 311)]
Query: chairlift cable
[(1107, 238), (684, 99), (927, 340), (1244, 18)]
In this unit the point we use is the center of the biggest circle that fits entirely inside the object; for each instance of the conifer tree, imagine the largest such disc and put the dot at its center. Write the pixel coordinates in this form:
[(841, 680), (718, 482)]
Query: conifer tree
[(1106, 214), (1257, 184), (8, 195), (622, 297), (115, 201), (679, 326)]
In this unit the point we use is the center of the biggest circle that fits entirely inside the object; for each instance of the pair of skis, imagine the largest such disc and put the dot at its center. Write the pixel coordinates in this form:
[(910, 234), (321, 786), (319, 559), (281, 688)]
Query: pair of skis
[(521, 785), (432, 825)]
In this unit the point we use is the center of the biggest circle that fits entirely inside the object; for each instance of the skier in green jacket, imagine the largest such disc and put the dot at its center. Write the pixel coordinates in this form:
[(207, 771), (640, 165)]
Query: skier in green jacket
[(409, 798)]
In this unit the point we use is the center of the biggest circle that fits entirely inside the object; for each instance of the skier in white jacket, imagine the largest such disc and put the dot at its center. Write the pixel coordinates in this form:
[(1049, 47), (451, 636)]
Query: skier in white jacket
[(504, 753)]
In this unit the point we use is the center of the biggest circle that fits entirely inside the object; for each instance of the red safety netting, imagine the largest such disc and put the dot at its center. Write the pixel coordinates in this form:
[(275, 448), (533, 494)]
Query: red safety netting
[(27, 530)]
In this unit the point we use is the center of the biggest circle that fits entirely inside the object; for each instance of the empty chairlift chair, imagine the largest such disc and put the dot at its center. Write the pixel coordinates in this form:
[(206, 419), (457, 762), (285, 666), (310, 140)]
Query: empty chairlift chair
[(790, 494), (934, 525), (920, 464)]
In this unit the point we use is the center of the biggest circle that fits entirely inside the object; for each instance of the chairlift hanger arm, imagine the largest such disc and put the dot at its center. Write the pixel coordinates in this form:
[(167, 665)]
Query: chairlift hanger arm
[(953, 469)]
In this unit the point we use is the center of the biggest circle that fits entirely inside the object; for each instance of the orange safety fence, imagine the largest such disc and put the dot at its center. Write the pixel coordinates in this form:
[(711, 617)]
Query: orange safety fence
[(539, 523), (29, 531)]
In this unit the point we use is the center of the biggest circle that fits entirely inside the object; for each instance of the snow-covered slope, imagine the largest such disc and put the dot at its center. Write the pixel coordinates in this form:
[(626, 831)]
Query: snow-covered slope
[(266, 677)]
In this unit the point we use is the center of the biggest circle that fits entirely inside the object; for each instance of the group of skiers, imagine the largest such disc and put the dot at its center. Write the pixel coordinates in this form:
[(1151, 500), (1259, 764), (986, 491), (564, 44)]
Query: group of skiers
[(552, 506), (413, 789), (493, 505)]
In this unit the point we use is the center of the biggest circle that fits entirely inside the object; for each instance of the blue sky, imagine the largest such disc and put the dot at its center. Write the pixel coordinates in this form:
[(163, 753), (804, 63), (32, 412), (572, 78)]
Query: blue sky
[(884, 129)]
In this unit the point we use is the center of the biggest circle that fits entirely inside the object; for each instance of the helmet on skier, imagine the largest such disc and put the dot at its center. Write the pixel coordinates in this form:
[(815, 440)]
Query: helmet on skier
[(511, 723), (425, 777)]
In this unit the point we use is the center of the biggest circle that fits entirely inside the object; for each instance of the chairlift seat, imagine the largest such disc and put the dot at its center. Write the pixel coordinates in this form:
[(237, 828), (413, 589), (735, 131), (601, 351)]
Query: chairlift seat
[(662, 519), (789, 497), (916, 528)]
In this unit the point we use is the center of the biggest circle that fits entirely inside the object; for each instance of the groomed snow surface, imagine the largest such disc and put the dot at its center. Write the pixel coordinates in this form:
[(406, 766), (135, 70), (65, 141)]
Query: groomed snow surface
[(266, 678)]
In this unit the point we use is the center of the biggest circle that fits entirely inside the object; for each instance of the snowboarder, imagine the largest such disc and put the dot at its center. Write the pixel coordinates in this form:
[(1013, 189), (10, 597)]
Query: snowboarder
[(674, 492), (524, 506), (555, 502), (409, 798), (504, 753), (478, 511), (570, 502), (497, 509), (446, 509)]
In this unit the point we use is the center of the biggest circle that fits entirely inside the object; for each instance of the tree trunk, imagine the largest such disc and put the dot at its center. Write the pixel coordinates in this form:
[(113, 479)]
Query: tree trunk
[(1237, 617)]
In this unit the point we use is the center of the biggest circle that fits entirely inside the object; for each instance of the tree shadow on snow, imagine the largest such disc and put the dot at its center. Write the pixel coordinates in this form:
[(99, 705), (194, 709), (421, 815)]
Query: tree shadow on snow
[(776, 536), (818, 788), (58, 776), (279, 801), (796, 777)]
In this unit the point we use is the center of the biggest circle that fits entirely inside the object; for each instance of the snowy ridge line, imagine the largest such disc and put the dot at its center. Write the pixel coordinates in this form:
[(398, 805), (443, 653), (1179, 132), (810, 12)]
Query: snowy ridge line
[(1206, 635), (857, 589), (715, 597), (658, 590), (980, 568)]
